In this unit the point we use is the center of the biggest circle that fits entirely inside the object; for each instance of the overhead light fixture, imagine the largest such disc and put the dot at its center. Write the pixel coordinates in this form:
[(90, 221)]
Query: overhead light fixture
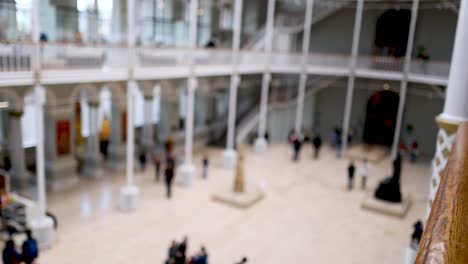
[(386, 86), (4, 105)]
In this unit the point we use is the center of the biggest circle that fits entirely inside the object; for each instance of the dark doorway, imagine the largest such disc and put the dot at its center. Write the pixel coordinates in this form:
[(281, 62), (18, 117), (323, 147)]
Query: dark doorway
[(381, 114), (391, 34)]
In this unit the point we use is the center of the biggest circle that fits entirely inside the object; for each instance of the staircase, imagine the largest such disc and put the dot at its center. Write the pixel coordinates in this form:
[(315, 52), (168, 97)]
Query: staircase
[(251, 119), (293, 22)]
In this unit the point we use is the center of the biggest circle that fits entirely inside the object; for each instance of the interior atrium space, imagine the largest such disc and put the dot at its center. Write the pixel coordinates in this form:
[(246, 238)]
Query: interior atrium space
[(234, 131)]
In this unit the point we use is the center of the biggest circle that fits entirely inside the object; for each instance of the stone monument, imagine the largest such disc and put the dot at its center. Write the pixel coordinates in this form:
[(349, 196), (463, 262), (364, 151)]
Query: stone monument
[(239, 183), (389, 188)]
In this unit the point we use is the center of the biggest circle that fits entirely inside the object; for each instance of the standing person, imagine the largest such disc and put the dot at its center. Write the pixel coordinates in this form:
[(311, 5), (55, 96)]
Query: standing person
[(171, 256), (201, 257), (10, 255), (157, 166), (414, 151), (317, 142), (205, 164), (365, 173), (169, 174), (183, 248), (351, 170), (30, 250), (142, 159), (297, 143)]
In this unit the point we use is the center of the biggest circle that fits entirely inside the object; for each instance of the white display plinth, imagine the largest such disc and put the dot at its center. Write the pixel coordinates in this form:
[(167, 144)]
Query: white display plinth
[(411, 255), (43, 231), (260, 145), (229, 158), (129, 198), (185, 174)]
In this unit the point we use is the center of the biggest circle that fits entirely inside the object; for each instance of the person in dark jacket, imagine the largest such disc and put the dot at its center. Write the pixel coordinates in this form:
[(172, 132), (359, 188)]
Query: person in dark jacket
[(142, 159), (297, 144), (169, 174), (205, 164), (10, 255), (351, 170), (30, 249), (317, 142)]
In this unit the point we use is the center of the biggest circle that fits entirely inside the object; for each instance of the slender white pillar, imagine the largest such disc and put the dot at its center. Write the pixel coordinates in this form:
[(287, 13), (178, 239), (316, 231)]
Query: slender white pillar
[(303, 77), (230, 155), (187, 169), (300, 103), (404, 81), (351, 80), (260, 144), (42, 226), (129, 193), (456, 106)]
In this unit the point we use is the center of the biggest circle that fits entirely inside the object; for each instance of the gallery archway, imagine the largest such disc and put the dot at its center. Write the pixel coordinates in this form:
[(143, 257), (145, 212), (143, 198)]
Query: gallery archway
[(391, 34), (381, 114)]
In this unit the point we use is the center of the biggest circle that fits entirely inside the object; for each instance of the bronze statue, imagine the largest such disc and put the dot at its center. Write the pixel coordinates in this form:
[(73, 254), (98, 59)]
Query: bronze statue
[(389, 188)]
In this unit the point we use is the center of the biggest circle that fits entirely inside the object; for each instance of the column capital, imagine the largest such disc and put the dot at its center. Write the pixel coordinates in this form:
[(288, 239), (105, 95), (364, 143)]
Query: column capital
[(449, 125)]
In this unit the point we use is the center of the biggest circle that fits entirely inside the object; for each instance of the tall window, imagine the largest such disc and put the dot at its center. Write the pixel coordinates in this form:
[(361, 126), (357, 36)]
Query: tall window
[(156, 103), (139, 109)]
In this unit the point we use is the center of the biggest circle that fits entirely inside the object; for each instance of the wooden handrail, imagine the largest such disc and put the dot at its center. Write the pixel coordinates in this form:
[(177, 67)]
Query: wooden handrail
[(445, 240)]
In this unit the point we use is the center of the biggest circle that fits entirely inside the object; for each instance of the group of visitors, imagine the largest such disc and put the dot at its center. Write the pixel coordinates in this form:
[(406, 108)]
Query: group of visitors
[(178, 254), (29, 251), (364, 174), (297, 141)]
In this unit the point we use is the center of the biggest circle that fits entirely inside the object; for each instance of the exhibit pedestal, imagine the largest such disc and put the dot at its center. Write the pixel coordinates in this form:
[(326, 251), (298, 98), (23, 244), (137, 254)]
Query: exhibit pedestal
[(388, 208), (229, 158), (260, 145), (43, 231), (129, 198), (242, 200), (185, 174)]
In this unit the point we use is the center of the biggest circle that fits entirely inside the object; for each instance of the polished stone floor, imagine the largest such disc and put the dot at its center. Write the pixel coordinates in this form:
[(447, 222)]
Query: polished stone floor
[(307, 216)]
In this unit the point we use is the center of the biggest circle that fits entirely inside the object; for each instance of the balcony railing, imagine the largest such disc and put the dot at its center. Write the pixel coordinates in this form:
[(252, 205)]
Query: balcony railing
[(445, 240), (17, 57)]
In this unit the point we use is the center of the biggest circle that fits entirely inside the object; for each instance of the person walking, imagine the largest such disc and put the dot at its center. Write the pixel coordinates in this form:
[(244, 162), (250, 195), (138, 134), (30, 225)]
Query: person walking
[(142, 159), (297, 144), (157, 166), (351, 170), (10, 255), (169, 174), (205, 164), (317, 142), (30, 249), (364, 173)]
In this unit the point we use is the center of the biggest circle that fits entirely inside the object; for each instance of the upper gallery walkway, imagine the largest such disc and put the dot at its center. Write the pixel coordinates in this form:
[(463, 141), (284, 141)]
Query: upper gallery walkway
[(75, 63)]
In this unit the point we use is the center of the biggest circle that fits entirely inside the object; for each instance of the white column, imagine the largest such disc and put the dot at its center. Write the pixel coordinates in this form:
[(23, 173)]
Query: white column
[(456, 106), (19, 176), (129, 193), (404, 81), (187, 169), (92, 158), (42, 226), (300, 103), (303, 76), (148, 135), (351, 80), (230, 155), (260, 144)]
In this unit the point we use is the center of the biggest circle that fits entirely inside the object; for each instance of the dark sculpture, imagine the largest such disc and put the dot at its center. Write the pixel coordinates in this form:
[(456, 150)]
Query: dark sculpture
[(389, 188)]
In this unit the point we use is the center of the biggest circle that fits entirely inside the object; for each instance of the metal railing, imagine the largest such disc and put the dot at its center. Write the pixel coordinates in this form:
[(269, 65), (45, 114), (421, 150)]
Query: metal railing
[(15, 57)]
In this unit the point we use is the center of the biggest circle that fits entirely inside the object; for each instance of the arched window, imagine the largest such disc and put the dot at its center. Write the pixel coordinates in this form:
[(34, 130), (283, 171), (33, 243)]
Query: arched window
[(28, 122)]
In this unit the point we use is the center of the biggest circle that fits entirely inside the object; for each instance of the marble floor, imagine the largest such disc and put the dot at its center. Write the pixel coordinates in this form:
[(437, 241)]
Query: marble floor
[(307, 216)]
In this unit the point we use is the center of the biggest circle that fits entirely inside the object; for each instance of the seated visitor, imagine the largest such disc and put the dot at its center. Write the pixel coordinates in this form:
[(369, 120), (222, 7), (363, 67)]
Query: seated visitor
[(30, 249), (10, 255)]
